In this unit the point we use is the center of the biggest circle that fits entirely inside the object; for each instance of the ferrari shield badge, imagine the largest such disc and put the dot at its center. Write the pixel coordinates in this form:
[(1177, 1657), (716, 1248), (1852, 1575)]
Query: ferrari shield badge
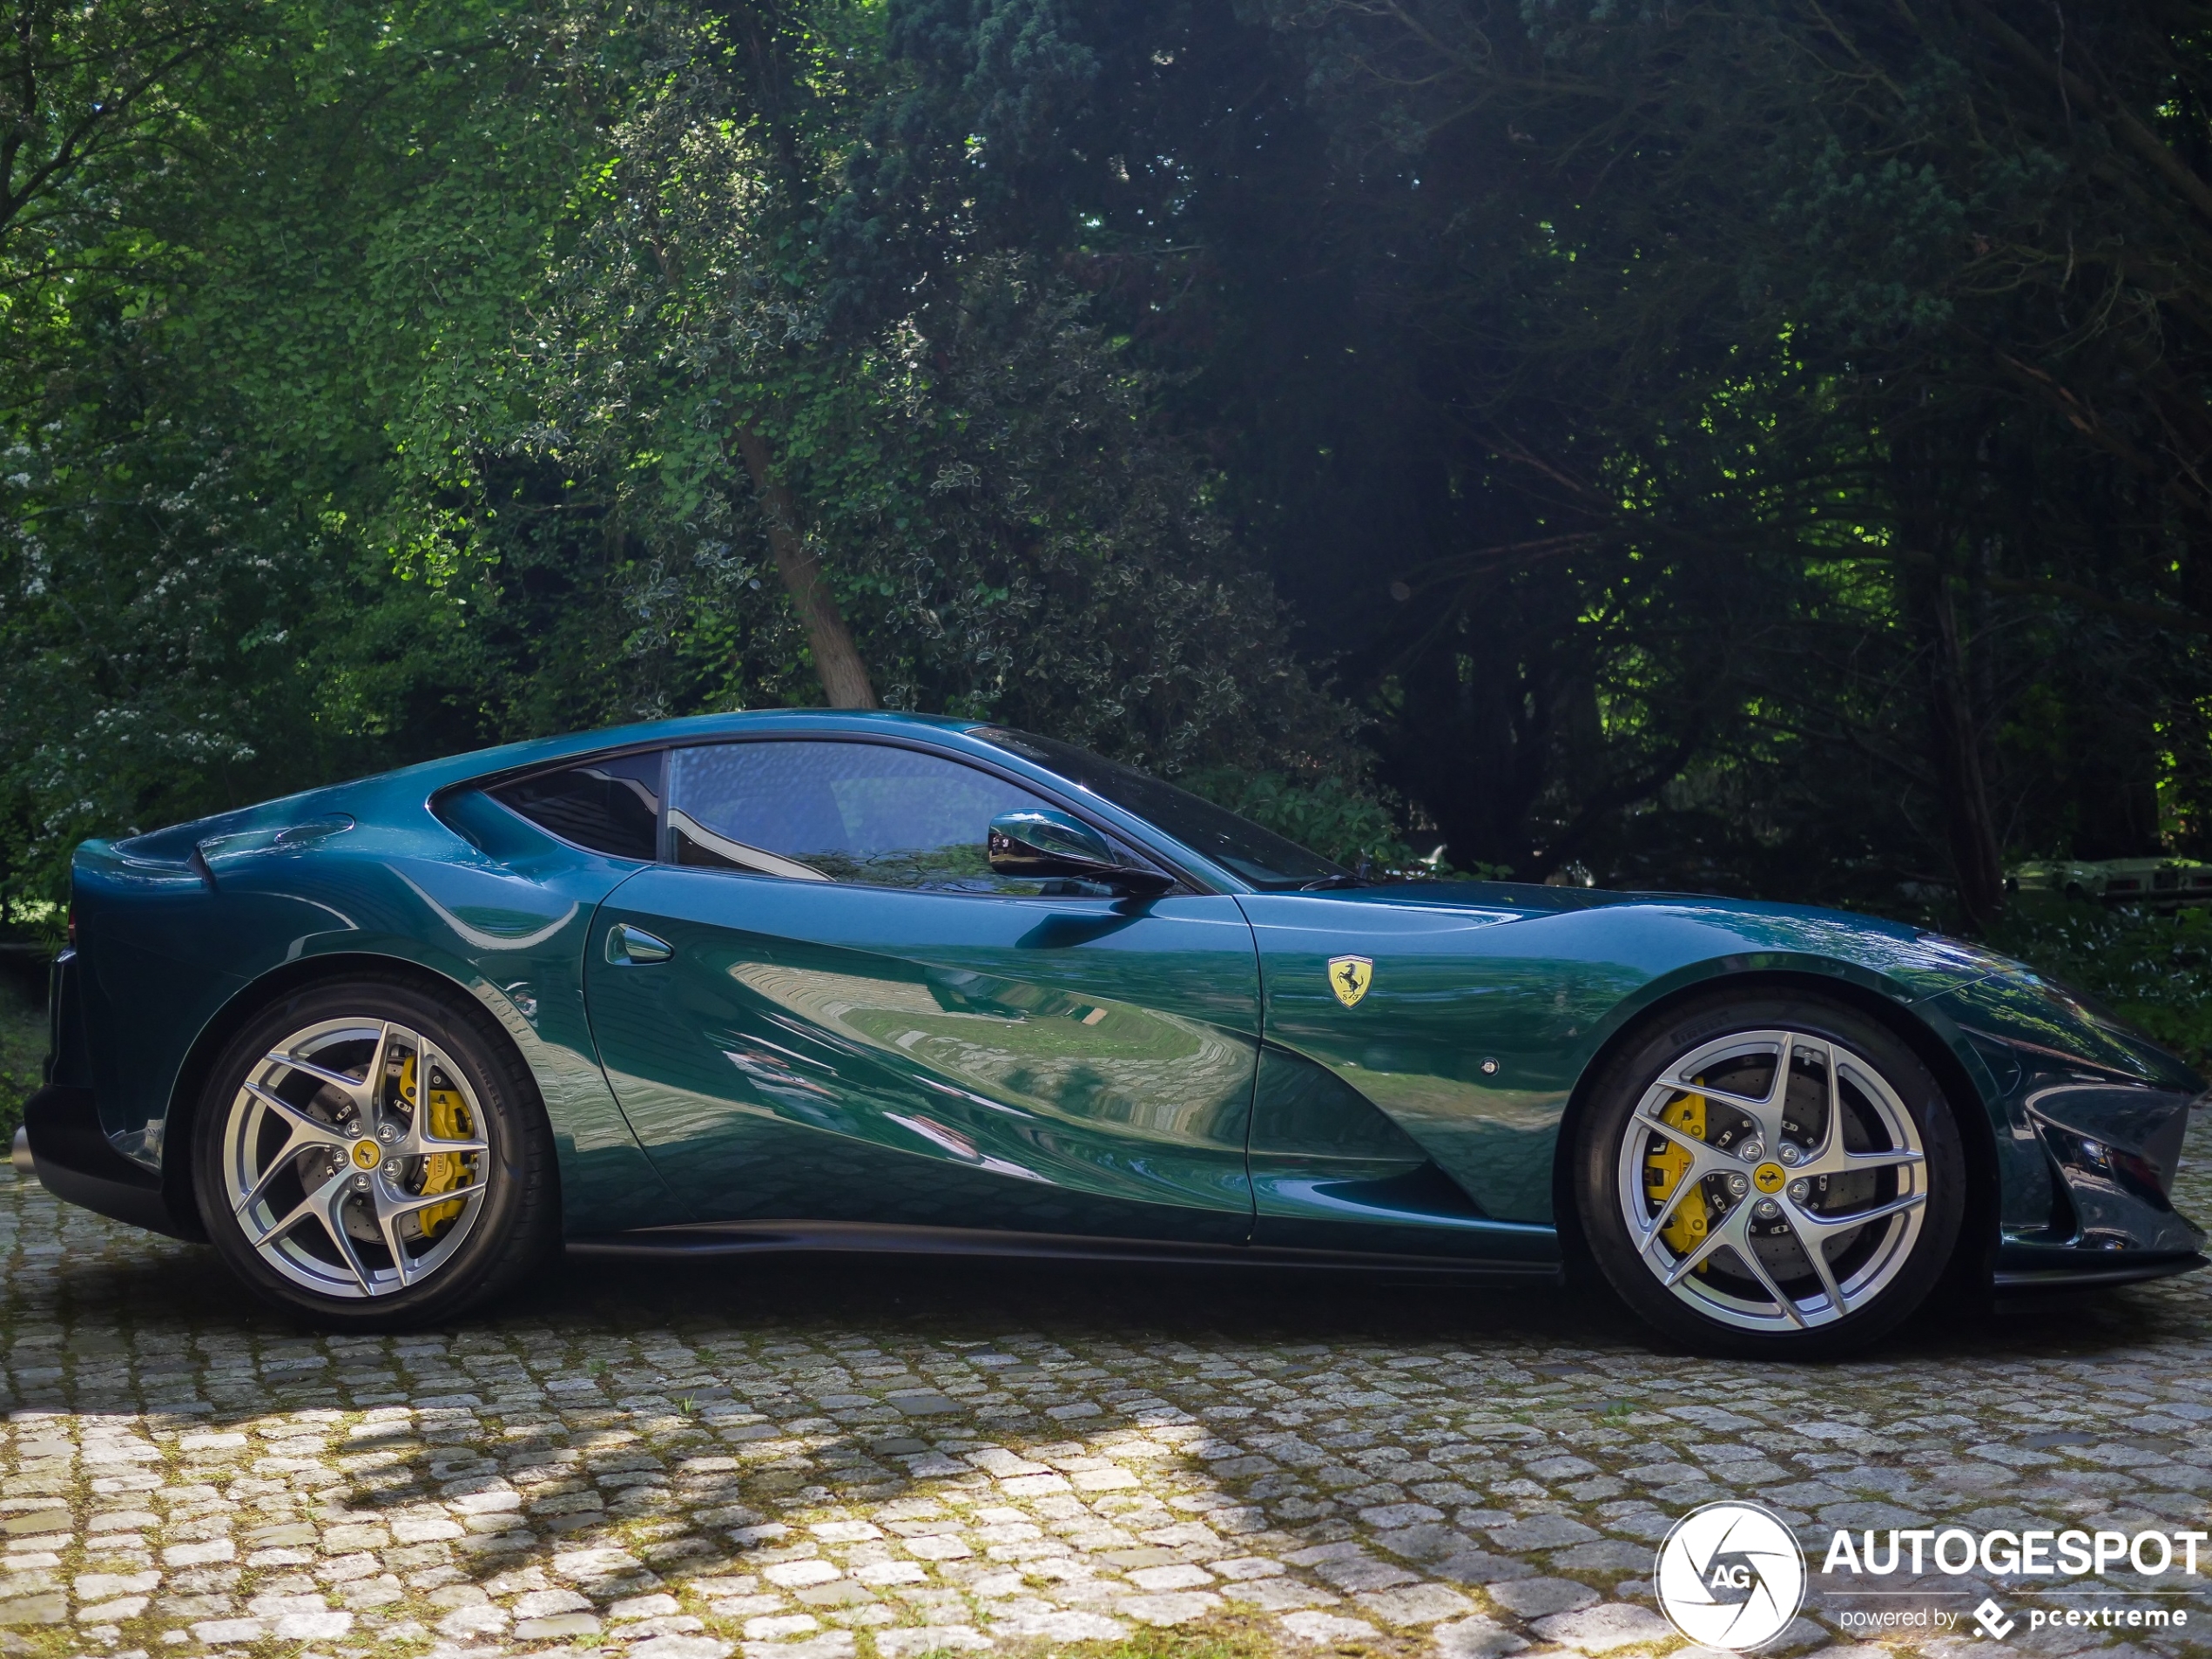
[(1349, 977)]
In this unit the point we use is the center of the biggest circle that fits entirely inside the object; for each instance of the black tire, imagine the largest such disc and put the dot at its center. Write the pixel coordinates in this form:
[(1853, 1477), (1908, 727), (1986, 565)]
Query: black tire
[(1718, 1306), (507, 1205)]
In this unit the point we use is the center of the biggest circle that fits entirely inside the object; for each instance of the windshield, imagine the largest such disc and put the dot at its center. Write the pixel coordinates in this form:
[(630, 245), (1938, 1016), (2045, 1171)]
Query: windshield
[(1259, 856)]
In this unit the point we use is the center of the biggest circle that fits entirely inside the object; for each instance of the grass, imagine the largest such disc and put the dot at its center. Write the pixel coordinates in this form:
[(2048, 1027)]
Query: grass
[(23, 1053), (1221, 1637), (2152, 968)]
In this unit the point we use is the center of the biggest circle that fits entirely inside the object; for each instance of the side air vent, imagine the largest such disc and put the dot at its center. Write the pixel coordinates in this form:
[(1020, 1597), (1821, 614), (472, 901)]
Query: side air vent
[(1303, 1109)]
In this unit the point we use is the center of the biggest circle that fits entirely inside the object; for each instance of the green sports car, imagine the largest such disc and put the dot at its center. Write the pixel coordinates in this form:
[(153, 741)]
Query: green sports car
[(754, 982)]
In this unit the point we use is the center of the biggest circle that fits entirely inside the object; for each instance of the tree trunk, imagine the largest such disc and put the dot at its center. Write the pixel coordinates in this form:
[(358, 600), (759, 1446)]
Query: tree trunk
[(837, 659)]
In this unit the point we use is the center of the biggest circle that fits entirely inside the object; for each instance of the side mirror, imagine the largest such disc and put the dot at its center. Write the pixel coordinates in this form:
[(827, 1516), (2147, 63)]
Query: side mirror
[(1038, 842)]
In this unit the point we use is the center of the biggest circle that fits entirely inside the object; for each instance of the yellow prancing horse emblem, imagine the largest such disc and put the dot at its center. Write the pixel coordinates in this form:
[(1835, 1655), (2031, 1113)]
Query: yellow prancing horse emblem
[(366, 1155), (1349, 977)]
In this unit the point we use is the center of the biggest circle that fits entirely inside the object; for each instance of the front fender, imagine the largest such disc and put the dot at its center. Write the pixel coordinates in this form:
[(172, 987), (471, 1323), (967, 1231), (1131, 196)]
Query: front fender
[(2091, 1118), (1486, 1010)]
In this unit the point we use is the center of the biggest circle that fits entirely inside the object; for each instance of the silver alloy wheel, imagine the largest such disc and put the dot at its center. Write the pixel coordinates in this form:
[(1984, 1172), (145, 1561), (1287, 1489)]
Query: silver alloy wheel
[(336, 1168), (1772, 1180)]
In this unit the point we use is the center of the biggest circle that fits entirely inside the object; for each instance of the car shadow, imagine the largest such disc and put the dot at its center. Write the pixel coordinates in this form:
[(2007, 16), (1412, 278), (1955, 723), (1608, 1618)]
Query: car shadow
[(966, 1298), (141, 1282)]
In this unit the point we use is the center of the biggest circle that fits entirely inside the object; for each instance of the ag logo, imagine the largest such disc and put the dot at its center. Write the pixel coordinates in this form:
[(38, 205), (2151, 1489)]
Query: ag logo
[(1349, 977), (1731, 1575)]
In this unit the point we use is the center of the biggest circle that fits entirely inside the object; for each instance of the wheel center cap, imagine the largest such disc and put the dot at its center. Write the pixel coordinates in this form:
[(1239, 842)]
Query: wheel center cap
[(1770, 1177), (368, 1155)]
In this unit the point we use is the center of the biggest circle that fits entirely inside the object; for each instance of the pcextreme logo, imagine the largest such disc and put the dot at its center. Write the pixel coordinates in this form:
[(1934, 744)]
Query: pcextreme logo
[(1731, 1575)]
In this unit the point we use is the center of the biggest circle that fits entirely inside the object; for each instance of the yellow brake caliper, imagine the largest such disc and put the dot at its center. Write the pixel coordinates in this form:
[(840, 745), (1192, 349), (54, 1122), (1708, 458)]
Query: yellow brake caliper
[(1662, 1168), (442, 1171)]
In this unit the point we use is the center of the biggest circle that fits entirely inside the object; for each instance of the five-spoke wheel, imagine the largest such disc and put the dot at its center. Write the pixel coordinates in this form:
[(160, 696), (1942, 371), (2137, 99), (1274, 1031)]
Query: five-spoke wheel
[(1777, 1175), (352, 1159), (374, 1154)]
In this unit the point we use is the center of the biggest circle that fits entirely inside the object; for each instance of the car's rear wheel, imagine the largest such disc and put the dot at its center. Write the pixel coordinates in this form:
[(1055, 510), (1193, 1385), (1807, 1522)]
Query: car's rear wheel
[(1771, 1175), (369, 1154)]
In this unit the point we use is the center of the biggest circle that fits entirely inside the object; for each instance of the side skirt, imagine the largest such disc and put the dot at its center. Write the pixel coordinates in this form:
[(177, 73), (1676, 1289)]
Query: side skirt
[(746, 1239)]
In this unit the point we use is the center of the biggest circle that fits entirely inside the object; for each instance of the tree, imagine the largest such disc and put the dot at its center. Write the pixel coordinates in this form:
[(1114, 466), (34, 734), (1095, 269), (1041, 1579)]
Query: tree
[(92, 98), (976, 489), (1692, 329), (1729, 444)]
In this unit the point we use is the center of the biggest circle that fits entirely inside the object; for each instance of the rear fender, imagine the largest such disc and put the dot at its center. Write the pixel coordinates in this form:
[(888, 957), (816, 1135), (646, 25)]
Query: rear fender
[(177, 956)]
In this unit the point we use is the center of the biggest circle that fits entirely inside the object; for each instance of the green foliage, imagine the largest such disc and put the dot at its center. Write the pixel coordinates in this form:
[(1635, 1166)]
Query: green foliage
[(408, 424), (196, 606), (1749, 446), (1011, 534), (1358, 828), (22, 1053), (1636, 394), (1328, 816), (2152, 968)]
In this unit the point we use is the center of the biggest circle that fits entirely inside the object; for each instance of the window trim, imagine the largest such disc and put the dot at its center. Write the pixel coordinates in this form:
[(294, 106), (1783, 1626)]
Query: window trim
[(1188, 881), (491, 782)]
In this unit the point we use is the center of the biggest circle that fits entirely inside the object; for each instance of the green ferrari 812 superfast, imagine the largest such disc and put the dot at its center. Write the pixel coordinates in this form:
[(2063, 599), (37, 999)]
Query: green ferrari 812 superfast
[(868, 982)]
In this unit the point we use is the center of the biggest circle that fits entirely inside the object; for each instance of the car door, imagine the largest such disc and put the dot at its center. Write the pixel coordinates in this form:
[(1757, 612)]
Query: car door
[(823, 1005)]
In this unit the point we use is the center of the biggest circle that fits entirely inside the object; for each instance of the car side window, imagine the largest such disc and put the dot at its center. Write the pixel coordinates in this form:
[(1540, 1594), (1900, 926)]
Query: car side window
[(609, 806), (865, 813)]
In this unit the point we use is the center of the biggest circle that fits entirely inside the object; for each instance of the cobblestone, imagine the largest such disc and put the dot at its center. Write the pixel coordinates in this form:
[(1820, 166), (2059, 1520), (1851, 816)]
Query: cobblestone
[(869, 1458)]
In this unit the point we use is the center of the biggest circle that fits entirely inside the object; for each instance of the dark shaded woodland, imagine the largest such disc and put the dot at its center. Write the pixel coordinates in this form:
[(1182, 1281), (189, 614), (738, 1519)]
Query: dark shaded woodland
[(1732, 444)]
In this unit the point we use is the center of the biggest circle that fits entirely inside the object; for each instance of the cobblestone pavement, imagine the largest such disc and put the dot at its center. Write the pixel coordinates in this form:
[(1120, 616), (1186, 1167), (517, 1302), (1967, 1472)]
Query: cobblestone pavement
[(814, 1459)]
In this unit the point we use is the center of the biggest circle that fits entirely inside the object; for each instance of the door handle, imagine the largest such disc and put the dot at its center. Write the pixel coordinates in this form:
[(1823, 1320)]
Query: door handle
[(629, 947)]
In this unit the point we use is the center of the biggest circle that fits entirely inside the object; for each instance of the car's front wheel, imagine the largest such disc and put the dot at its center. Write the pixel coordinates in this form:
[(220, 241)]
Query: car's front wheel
[(1776, 1175), (369, 1154)]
